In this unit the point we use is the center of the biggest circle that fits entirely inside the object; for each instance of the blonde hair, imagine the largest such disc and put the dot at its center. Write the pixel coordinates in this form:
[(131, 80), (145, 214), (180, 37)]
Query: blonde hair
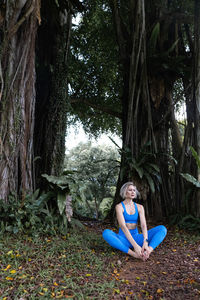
[(125, 187)]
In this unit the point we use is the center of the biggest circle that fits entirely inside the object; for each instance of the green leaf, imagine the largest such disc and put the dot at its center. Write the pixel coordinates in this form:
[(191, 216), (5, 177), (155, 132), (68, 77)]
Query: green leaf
[(61, 182), (36, 158), (155, 167), (150, 182), (36, 194), (139, 170), (61, 201), (170, 157), (77, 223), (191, 179), (154, 37), (195, 155)]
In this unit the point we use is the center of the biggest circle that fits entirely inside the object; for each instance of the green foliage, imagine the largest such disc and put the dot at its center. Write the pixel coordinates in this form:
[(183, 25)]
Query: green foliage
[(184, 219), (195, 155), (144, 166), (93, 72), (163, 55), (187, 222), (60, 187), (96, 169), (105, 206), (41, 212), (153, 39), (189, 177), (30, 215)]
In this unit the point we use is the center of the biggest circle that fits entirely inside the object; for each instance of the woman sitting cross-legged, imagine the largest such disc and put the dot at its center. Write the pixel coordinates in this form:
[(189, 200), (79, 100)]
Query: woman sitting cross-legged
[(128, 239)]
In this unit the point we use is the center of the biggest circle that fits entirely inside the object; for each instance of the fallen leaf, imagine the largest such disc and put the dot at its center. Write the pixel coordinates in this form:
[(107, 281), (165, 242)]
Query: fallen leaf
[(8, 267), (22, 276), (9, 278), (160, 291)]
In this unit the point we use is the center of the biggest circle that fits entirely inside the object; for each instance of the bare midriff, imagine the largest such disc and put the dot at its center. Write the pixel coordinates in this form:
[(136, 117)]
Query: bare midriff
[(131, 225)]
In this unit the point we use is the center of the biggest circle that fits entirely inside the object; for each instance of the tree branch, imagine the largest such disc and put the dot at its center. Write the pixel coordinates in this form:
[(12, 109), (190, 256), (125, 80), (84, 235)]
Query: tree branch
[(15, 28), (119, 26), (98, 107)]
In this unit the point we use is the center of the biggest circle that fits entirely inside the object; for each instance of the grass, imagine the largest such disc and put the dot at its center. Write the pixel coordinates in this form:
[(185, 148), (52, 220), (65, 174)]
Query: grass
[(75, 266)]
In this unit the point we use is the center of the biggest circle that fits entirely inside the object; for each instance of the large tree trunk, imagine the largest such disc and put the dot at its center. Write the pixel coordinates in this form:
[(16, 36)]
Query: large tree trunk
[(136, 107), (148, 112), (51, 98), (18, 27), (197, 95)]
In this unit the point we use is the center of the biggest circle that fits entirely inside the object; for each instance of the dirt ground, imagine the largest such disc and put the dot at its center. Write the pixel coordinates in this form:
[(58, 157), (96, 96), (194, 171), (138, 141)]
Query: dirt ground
[(172, 271)]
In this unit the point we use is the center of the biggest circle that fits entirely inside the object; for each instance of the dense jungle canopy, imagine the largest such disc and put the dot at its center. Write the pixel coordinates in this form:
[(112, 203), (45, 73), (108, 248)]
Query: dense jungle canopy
[(125, 67)]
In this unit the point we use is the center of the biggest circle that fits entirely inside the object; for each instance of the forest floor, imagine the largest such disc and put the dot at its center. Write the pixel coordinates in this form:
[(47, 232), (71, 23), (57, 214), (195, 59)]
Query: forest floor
[(172, 271), (81, 265)]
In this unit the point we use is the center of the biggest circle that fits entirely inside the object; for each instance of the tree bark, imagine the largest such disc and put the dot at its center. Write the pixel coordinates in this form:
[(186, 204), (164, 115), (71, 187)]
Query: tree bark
[(51, 99), (136, 107), (197, 95), (147, 109), (18, 27)]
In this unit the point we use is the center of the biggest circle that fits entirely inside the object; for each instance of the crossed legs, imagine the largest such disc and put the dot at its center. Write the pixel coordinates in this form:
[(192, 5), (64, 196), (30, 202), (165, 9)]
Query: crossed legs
[(155, 236)]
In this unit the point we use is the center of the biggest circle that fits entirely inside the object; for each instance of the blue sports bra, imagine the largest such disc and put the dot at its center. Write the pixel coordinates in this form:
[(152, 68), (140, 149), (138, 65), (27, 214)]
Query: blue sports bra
[(130, 218)]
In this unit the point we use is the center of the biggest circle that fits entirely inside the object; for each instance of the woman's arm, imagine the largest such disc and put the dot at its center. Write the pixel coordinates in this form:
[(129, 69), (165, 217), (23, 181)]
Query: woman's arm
[(122, 225), (143, 224)]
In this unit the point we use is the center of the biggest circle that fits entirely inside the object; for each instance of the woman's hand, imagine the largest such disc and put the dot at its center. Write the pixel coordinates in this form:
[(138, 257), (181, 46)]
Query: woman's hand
[(145, 250), (138, 252)]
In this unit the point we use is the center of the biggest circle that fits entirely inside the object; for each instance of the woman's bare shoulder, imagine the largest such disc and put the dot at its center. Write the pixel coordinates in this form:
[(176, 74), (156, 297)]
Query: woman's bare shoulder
[(140, 207), (119, 207)]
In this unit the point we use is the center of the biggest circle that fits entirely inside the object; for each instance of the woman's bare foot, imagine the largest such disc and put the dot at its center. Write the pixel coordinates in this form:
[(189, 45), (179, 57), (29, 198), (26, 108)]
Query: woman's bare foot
[(135, 255), (150, 250), (146, 255)]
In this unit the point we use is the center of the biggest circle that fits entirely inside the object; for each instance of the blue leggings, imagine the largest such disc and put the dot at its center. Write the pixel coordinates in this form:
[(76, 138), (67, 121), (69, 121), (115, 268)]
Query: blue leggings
[(119, 241)]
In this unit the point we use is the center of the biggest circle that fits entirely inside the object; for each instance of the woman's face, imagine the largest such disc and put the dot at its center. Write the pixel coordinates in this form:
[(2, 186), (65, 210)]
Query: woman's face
[(131, 192)]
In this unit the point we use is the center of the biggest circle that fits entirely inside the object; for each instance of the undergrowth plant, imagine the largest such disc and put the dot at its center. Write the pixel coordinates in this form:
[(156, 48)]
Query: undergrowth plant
[(143, 166), (189, 177), (42, 212), (184, 219), (29, 214)]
